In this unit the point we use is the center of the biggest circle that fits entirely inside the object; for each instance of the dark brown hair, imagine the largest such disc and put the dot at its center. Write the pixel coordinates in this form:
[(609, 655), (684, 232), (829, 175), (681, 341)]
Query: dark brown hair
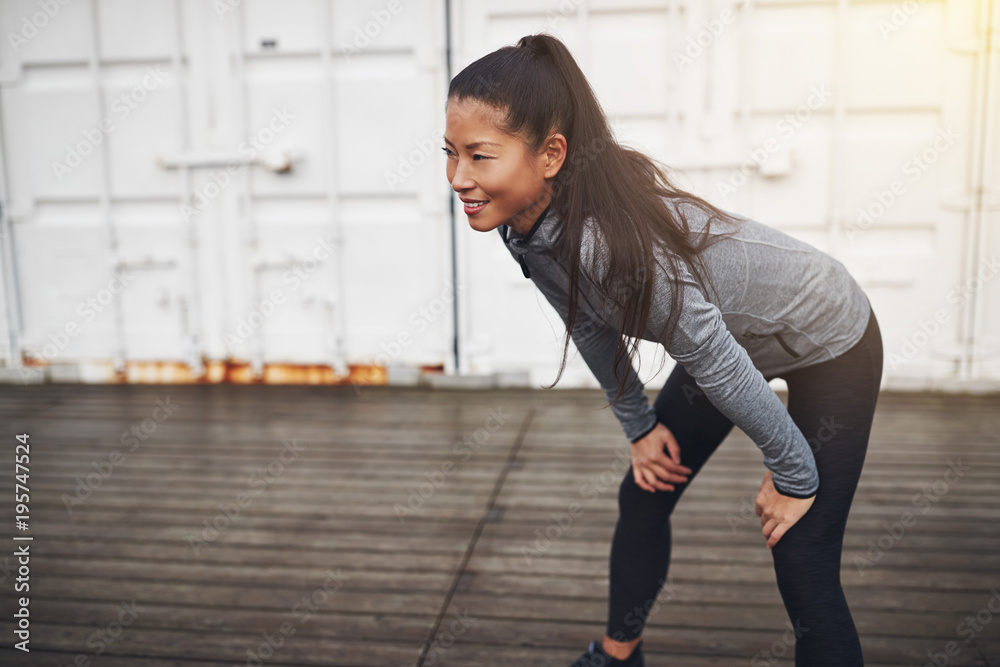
[(537, 88)]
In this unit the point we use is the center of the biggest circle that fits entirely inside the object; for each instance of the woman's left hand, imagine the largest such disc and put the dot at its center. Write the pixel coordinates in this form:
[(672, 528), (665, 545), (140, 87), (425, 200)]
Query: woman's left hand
[(778, 513)]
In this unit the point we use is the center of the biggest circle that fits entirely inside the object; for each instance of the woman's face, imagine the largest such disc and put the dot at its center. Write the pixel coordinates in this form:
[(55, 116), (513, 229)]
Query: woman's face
[(498, 180)]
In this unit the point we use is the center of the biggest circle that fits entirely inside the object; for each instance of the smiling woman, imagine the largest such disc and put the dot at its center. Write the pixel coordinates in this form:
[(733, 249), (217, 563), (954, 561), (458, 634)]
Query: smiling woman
[(621, 253)]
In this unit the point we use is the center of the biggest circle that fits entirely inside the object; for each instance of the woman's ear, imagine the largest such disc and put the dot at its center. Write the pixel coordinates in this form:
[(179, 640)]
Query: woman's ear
[(554, 155)]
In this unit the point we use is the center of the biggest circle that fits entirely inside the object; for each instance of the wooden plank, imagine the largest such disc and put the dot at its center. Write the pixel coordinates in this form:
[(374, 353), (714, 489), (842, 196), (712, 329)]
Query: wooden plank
[(75, 587), (463, 550), (294, 649)]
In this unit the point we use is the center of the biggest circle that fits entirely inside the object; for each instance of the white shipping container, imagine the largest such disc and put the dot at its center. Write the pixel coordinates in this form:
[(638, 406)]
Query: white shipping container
[(188, 186)]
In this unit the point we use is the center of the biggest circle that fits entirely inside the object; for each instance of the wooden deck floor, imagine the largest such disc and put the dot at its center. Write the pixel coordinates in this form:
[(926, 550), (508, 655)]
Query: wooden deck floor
[(309, 551)]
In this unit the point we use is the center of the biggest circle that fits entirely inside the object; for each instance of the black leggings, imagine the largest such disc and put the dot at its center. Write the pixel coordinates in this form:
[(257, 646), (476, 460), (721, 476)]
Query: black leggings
[(832, 403)]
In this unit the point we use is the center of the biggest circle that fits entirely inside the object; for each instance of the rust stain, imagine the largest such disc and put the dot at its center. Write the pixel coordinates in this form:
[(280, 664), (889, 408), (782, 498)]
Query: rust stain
[(226, 371), (240, 372)]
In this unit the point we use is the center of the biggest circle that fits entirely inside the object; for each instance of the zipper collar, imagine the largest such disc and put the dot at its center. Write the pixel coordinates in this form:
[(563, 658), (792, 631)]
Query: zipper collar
[(539, 239)]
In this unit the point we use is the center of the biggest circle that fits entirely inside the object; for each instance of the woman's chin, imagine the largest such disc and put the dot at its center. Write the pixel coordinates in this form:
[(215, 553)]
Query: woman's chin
[(483, 224)]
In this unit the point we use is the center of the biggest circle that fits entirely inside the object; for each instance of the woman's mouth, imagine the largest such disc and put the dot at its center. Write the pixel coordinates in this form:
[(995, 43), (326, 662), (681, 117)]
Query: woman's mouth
[(473, 207)]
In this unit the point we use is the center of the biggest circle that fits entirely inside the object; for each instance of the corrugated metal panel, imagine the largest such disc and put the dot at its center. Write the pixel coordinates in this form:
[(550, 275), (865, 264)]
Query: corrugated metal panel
[(242, 168), (264, 176)]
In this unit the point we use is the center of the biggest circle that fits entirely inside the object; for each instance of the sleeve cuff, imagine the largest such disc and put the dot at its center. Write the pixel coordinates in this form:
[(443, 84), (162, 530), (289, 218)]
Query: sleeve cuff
[(647, 432), (793, 495)]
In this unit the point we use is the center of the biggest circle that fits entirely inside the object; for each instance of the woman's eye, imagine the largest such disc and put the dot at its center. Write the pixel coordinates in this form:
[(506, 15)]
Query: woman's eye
[(450, 153)]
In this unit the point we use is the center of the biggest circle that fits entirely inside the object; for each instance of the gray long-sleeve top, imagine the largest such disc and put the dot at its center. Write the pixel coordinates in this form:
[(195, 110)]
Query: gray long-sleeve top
[(782, 305)]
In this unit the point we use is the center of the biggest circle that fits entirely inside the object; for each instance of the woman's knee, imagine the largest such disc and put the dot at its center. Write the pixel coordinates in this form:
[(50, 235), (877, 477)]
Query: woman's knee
[(809, 557), (635, 504)]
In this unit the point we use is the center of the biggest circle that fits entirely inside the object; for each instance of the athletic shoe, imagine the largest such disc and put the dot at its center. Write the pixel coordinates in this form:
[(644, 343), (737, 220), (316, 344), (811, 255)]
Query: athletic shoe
[(596, 657)]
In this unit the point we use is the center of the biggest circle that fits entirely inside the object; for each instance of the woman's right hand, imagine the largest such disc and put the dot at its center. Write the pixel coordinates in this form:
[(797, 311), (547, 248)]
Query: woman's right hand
[(651, 466)]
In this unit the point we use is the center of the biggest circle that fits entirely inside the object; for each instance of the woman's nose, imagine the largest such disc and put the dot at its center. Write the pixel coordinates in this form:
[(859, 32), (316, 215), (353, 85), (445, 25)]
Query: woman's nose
[(460, 180)]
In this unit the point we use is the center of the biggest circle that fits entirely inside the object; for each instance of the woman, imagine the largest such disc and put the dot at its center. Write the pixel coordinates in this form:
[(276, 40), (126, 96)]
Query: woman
[(621, 253)]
